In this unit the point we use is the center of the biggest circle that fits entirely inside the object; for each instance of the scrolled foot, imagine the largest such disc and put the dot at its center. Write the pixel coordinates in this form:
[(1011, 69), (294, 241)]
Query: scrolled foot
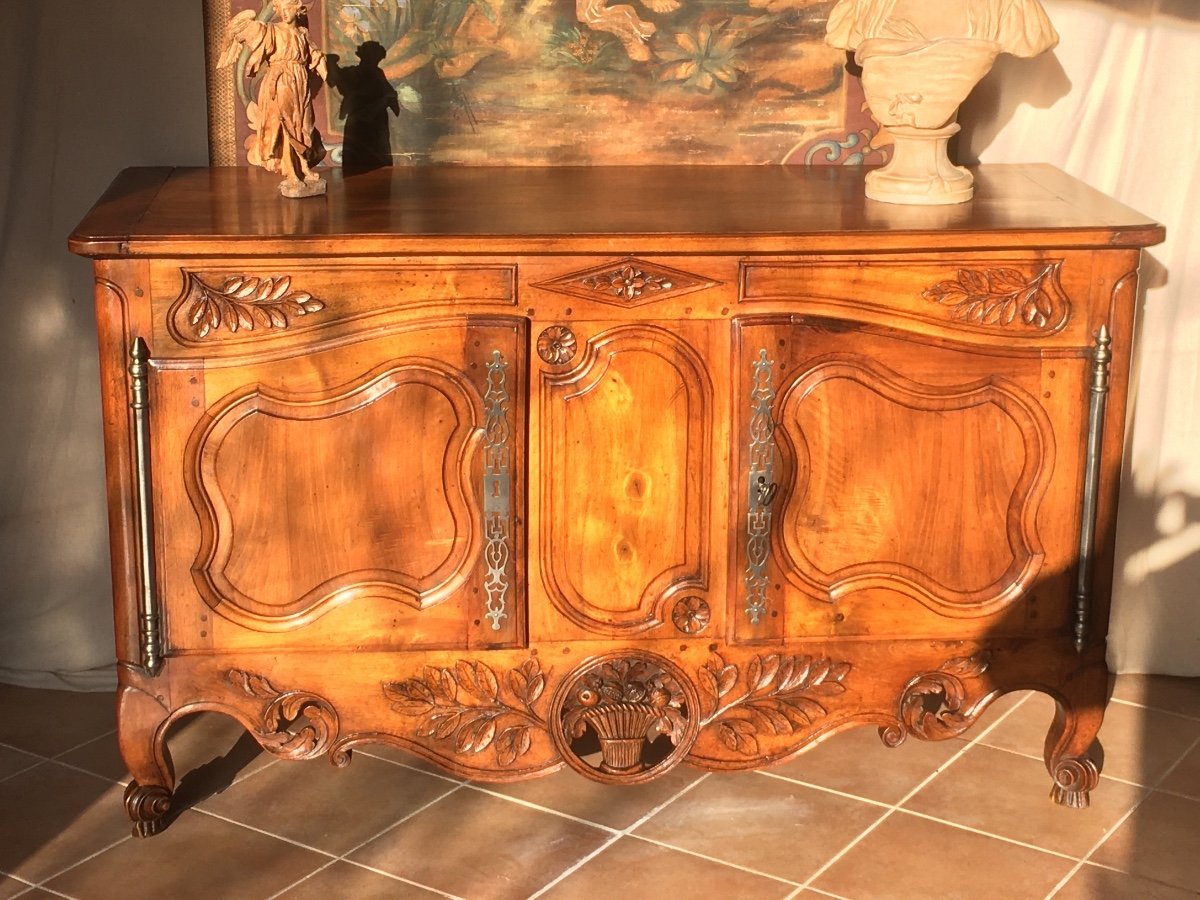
[(1073, 782), (147, 806)]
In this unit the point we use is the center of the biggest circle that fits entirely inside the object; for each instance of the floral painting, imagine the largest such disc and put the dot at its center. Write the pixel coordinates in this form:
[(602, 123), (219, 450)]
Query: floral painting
[(568, 82)]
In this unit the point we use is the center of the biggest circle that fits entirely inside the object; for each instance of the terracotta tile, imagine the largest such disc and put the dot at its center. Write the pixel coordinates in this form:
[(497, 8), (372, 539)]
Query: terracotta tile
[(330, 809), (1093, 882), (857, 762), (632, 867), (1185, 777), (994, 712), (1159, 842), (400, 757), (211, 742), (748, 820), (1138, 744), (907, 857), (615, 807), (343, 879), (474, 844), (1165, 692), (14, 761), (52, 816), (1005, 794), (198, 856), (49, 722), (10, 887)]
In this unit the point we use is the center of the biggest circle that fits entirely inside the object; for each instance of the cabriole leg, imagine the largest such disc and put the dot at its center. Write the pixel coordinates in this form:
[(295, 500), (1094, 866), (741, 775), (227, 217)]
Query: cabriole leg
[(1069, 744), (140, 733)]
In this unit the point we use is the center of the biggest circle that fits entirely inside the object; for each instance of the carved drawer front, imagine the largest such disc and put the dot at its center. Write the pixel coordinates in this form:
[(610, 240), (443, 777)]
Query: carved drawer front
[(365, 495), (205, 307), (617, 287), (1039, 299), (624, 481), (902, 485)]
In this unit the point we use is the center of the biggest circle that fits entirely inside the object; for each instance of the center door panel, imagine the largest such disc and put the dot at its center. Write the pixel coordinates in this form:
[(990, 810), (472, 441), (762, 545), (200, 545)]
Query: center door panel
[(628, 482)]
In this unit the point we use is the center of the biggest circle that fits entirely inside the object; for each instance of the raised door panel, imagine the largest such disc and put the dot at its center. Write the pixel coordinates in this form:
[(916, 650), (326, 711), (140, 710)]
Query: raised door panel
[(902, 484), (363, 493), (625, 481)]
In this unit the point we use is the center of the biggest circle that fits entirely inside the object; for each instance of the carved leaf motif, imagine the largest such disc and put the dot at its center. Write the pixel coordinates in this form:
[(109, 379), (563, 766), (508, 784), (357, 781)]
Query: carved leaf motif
[(779, 696), (512, 743), (244, 302), (252, 684), (998, 296), (739, 736), (466, 707)]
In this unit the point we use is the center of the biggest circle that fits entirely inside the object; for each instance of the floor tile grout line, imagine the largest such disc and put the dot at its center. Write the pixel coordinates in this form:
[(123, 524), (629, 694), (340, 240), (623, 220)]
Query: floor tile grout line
[(814, 890), (264, 832), (345, 855), (1113, 778), (1121, 821), (531, 805), (824, 789), (40, 762), (892, 810), (80, 862), (80, 746), (646, 817), (731, 865), (1170, 712), (989, 834)]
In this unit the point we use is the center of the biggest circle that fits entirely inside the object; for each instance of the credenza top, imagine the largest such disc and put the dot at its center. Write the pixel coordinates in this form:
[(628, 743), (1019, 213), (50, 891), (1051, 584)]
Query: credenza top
[(189, 212)]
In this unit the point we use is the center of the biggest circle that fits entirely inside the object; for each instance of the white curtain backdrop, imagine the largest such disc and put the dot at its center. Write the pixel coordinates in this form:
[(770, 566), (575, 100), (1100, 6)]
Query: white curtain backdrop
[(1117, 104), (88, 88)]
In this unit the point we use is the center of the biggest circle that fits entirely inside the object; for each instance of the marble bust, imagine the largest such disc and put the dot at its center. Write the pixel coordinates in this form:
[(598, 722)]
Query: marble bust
[(920, 60)]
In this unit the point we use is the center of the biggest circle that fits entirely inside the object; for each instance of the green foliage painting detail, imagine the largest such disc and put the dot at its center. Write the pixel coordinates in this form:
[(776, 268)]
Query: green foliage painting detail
[(511, 82)]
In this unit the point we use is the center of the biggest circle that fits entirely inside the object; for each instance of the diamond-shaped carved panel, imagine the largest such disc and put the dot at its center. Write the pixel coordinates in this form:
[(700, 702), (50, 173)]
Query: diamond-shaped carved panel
[(627, 282)]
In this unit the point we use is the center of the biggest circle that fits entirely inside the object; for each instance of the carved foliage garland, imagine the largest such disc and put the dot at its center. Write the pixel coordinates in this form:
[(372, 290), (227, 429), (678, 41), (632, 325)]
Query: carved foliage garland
[(1004, 297), (776, 695), (468, 708), (242, 302), (932, 705), (278, 732)]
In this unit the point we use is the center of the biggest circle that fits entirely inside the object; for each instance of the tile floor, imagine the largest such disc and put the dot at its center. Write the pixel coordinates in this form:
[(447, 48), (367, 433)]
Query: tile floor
[(852, 819)]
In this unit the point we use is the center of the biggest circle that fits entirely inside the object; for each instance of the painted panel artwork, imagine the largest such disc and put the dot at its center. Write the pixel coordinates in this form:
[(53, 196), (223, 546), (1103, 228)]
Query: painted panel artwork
[(564, 82)]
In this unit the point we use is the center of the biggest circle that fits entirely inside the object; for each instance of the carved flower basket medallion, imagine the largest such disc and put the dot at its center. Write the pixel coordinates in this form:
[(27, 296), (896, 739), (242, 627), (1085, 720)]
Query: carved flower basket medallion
[(639, 708)]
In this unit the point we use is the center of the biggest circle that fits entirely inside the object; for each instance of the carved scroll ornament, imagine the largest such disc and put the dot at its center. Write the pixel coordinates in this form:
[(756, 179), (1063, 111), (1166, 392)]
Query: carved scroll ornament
[(278, 731), (934, 705)]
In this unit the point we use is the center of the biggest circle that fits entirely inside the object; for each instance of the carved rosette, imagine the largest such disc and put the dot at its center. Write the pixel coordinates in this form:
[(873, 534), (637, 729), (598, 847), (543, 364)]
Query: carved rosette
[(625, 701), (240, 303), (776, 695), (627, 282), (556, 345), (691, 615), (934, 705), (279, 731), (1004, 297), (468, 708)]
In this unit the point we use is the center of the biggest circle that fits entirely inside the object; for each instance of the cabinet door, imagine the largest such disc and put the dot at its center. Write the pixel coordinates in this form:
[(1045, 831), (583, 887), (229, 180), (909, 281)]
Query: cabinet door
[(357, 492), (896, 483), (625, 481)]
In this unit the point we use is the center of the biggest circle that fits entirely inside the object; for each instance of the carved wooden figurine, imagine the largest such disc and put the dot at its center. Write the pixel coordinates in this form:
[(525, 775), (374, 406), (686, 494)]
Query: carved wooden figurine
[(287, 141), (920, 60)]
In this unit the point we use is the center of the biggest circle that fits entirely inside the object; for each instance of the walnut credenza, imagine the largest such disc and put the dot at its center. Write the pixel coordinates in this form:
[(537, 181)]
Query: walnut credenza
[(612, 468)]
